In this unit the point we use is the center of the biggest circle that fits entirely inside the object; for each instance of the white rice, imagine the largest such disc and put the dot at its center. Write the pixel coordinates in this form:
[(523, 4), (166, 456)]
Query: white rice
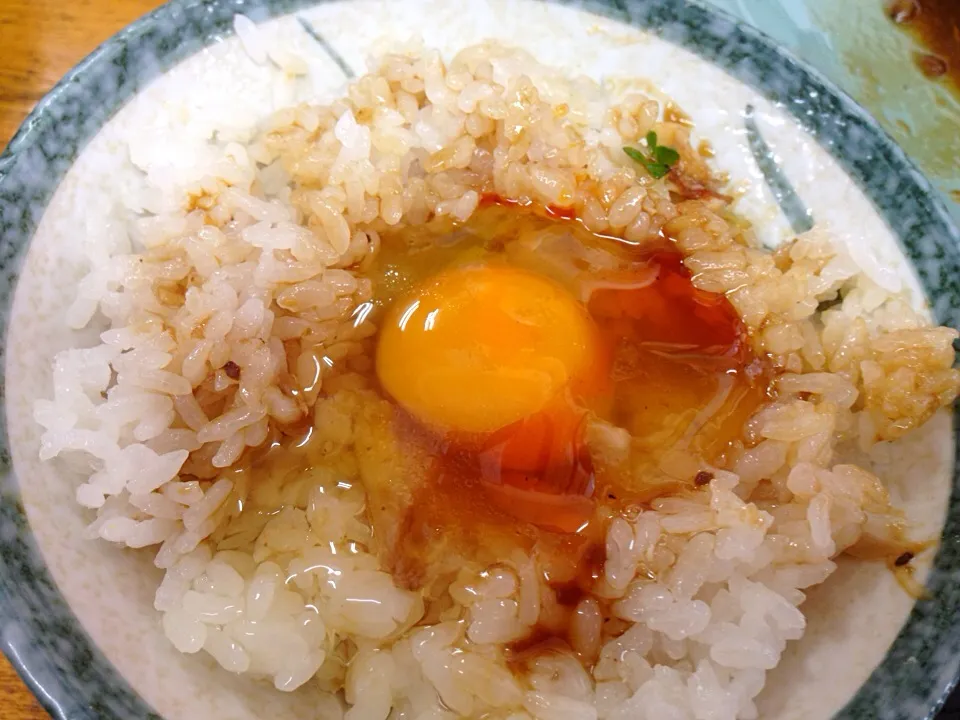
[(242, 314)]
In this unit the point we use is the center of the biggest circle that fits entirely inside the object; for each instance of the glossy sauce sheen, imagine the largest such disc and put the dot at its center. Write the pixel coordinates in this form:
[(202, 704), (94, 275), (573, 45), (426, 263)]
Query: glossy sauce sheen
[(680, 378)]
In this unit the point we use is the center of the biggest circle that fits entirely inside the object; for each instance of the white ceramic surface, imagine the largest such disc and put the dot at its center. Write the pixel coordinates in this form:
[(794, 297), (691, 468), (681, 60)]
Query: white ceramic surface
[(853, 618)]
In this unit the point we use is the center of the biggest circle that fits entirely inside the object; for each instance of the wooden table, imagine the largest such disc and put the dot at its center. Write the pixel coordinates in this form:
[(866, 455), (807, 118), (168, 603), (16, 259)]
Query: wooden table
[(40, 40)]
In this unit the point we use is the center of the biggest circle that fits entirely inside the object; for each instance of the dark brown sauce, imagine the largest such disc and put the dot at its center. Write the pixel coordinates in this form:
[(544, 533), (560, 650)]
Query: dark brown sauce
[(553, 629), (460, 514), (536, 486), (898, 553), (936, 25), (676, 351)]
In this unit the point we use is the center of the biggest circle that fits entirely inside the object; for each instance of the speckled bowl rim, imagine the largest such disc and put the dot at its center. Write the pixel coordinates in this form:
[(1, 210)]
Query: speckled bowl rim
[(38, 631)]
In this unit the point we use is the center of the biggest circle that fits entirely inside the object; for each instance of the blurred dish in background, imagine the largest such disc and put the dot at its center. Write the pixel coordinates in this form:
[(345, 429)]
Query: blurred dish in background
[(900, 59)]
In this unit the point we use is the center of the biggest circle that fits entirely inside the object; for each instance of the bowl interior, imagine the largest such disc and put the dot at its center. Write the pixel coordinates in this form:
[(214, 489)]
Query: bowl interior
[(181, 122)]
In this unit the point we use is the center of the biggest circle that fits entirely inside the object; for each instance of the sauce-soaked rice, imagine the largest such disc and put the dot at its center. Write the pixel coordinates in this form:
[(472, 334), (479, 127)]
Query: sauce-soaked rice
[(683, 382)]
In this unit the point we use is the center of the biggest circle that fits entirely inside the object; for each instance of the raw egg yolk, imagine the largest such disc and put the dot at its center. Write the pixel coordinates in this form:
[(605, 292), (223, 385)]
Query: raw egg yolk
[(475, 349)]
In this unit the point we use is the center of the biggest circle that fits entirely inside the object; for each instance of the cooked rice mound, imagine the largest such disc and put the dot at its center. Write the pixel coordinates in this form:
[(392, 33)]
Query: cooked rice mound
[(243, 319)]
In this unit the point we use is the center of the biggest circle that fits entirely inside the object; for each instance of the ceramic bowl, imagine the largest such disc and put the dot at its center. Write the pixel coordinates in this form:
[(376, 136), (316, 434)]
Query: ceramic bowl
[(76, 616), (860, 47)]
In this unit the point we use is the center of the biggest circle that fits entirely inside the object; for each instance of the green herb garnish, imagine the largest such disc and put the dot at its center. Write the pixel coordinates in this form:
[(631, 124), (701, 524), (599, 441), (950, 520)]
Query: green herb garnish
[(660, 160)]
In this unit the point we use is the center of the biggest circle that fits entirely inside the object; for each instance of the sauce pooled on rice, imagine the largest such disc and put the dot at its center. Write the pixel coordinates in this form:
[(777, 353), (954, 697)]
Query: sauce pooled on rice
[(671, 364)]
